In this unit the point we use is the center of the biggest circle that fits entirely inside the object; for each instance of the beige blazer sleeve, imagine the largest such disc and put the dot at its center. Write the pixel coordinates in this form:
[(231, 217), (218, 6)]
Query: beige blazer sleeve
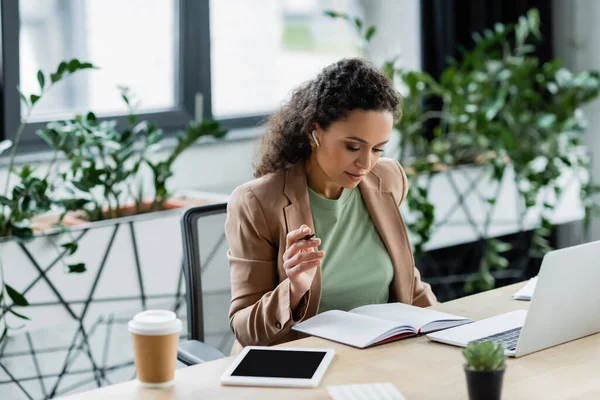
[(422, 294), (260, 304)]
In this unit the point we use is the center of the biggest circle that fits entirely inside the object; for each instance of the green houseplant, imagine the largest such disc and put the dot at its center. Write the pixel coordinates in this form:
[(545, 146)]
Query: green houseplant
[(102, 178), (105, 171), (501, 108), (485, 363), (31, 195)]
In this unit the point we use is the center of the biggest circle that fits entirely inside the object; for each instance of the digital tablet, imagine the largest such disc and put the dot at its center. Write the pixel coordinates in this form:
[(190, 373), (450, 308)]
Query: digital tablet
[(278, 366)]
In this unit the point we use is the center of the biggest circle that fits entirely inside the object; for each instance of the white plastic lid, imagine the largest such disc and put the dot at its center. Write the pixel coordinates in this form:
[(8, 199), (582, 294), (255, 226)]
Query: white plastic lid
[(155, 323)]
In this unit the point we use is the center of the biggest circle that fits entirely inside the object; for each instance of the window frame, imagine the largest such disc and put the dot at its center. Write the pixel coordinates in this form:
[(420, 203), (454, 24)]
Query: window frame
[(194, 76)]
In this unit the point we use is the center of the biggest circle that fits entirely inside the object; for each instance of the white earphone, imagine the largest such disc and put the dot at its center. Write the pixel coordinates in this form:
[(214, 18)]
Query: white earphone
[(315, 138)]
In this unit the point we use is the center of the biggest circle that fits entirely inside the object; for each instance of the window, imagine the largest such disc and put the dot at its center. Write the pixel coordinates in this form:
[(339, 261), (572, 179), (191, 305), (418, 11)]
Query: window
[(231, 60), (272, 49), (133, 42)]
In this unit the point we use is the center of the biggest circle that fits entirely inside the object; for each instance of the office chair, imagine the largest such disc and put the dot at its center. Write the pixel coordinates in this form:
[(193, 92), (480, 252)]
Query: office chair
[(208, 290)]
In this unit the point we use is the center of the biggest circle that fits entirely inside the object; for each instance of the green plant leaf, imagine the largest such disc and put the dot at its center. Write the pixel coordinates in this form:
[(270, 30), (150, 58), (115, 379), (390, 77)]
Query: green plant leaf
[(17, 298), (500, 246), (21, 234), (73, 204), (62, 67), (498, 104), (546, 121), (16, 314), (73, 65), (55, 77), (358, 23), (71, 247), (41, 79), (389, 69), (77, 268), (370, 32), (48, 136), (83, 186), (335, 14), (499, 262), (34, 98), (26, 172), (533, 20), (5, 201), (24, 98), (484, 356)]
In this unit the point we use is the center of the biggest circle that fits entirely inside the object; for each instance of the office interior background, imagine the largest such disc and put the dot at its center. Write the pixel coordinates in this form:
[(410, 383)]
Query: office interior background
[(173, 62)]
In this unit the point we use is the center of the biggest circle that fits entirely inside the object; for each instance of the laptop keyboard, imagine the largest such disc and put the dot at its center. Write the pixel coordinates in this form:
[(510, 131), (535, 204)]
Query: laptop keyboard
[(508, 339)]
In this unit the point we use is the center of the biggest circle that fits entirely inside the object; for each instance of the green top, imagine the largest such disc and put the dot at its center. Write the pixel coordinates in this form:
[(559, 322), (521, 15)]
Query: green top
[(357, 269)]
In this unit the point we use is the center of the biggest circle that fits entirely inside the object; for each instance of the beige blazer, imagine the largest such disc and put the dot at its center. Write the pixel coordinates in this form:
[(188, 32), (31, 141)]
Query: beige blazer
[(259, 216)]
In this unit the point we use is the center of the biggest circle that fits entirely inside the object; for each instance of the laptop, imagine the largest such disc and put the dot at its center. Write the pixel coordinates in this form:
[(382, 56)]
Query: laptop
[(565, 306)]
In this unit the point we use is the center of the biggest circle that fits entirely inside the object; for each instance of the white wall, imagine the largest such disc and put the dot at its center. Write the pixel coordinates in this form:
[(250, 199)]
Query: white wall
[(218, 167), (576, 32)]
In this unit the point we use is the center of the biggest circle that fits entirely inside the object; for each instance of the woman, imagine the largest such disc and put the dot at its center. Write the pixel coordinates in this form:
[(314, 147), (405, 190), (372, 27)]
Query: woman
[(320, 172)]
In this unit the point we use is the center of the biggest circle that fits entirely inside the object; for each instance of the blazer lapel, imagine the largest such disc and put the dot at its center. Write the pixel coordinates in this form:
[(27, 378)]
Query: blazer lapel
[(297, 213), (296, 190), (386, 217)]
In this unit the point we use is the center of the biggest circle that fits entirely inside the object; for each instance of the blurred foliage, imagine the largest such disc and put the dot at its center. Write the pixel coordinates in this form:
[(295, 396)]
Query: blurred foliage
[(103, 172), (106, 163), (32, 195), (501, 107)]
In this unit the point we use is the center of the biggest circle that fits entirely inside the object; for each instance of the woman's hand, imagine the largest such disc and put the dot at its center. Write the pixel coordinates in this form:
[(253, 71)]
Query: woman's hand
[(300, 262)]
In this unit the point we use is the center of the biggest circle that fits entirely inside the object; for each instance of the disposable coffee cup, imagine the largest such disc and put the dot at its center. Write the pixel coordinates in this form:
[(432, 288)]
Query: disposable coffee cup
[(155, 337)]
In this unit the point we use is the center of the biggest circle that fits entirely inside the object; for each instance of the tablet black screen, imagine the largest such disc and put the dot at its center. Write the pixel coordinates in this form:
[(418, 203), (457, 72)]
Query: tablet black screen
[(279, 364)]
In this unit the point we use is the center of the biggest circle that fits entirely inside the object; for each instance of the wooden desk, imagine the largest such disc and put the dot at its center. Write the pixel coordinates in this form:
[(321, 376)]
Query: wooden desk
[(420, 369)]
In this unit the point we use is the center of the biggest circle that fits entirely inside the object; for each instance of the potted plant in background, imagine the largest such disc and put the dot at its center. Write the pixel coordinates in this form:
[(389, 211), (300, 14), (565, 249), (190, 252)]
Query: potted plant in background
[(30, 196), (97, 172), (485, 363), (504, 111), (102, 210), (107, 167)]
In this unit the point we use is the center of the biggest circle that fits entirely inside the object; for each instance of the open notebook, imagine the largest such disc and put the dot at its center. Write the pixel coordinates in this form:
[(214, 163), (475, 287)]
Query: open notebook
[(378, 323)]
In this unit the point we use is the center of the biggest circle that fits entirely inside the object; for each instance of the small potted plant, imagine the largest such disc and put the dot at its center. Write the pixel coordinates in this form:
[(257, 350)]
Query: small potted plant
[(485, 366)]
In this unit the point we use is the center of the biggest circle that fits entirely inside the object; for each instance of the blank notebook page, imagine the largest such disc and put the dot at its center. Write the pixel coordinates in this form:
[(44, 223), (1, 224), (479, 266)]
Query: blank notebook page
[(404, 314), (353, 329), (365, 391)]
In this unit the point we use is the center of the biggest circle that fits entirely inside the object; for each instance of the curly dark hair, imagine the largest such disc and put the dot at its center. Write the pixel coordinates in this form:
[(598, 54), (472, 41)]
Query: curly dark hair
[(340, 88)]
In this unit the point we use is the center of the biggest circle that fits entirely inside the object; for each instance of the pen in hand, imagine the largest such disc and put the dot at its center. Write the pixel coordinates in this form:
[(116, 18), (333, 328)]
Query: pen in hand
[(301, 261), (308, 237)]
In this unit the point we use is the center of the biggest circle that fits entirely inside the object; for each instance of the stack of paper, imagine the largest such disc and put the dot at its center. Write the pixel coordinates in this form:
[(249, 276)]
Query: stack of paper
[(526, 292), (365, 391)]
